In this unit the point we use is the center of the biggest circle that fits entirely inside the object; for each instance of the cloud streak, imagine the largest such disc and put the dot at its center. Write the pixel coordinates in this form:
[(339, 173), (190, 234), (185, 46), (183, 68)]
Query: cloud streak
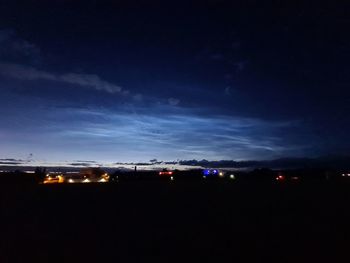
[(123, 135), (91, 81), (13, 48)]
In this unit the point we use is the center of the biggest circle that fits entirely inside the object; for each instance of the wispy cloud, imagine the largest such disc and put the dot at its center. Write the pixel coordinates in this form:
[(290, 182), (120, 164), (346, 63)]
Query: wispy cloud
[(84, 80), (109, 136), (178, 136), (22, 52), (90, 80), (12, 161), (24, 72)]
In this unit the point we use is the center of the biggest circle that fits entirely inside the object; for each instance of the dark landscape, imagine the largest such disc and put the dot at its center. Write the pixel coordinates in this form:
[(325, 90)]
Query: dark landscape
[(136, 220)]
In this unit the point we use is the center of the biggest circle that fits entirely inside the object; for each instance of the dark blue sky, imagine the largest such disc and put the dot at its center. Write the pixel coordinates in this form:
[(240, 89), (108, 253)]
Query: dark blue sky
[(86, 80)]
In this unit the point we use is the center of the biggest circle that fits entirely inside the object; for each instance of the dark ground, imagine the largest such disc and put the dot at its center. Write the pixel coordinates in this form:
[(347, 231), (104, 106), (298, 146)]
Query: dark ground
[(176, 221)]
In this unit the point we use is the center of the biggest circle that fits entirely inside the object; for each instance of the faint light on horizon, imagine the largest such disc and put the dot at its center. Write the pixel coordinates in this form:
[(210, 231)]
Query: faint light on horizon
[(280, 178)]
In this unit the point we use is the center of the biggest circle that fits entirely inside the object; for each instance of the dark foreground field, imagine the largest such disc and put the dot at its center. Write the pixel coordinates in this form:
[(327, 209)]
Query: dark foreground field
[(175, 221)]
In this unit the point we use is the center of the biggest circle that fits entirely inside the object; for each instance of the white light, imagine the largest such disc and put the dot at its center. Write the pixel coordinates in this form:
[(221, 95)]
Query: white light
[(103, 180), (221, 174), (171, 178), (204, 177), (86, 180), (232, 176), (70, 180)]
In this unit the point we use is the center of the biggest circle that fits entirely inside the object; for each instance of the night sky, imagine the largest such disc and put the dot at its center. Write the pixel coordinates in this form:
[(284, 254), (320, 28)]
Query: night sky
[(130, 82)]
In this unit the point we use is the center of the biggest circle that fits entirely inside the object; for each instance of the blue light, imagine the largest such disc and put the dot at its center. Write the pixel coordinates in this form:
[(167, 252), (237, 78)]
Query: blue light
[(206, 172)]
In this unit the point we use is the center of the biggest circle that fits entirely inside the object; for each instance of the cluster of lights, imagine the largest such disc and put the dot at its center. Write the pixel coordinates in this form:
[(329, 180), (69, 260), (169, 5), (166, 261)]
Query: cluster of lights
[(49, 179), (212, 172), (283, 178), (55, 179), (280, 178), (104, 179), (165, 173), (345, 175)]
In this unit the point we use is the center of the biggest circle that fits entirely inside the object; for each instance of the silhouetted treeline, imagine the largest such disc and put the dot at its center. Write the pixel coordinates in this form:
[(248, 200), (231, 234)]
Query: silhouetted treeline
[(325, 162)]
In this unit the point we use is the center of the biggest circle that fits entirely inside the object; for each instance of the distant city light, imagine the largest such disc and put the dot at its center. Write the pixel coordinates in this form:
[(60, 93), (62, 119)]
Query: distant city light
[(171, 178), (209, 172), (280, 178), (53, 179), (165, 173), (232, 176)]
